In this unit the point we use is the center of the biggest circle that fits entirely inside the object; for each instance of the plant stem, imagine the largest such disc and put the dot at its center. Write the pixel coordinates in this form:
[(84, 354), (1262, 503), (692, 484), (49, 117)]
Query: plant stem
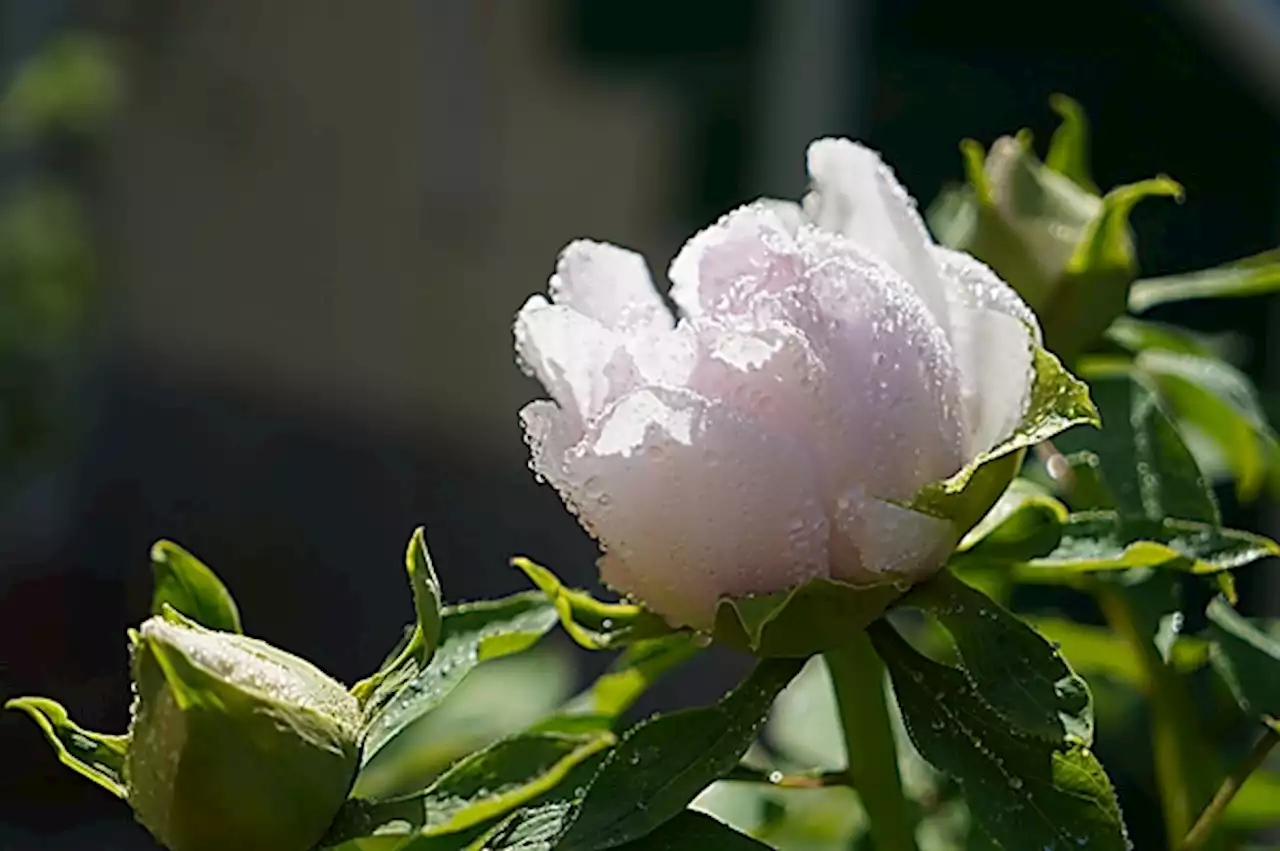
[(1204, 825), (1181, 760), (857, 675)]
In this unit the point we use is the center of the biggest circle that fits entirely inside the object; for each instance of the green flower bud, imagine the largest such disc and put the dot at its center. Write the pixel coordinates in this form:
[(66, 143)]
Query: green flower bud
[(235, 744), (1045, 229)]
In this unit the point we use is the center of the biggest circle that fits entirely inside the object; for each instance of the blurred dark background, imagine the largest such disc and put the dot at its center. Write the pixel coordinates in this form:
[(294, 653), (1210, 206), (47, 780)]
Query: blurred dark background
[(299, 231)]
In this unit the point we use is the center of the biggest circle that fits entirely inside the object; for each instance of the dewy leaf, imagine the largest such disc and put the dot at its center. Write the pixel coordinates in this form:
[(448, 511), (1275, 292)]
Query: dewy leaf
[(808, 619), (184, 582), (1145, 462), (481, 787), (1096, 541), (1024, 791), (1069, 148), (591, 623), (694, 831), (1058, 401), (1252, 276), (614, 692), (426, 590), (1096, 650), (664, 763), (1247, 658), (470, 633), (1014, 669), (96, 756)]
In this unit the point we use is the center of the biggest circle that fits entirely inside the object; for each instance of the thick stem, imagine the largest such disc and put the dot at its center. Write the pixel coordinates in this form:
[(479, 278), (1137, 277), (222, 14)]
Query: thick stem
[(1204, 825), (857, 675)]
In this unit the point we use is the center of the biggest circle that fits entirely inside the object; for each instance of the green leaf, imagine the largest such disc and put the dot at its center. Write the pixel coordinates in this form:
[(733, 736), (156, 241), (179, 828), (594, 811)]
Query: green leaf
[(1026, 522), (1069, 148), (1099, 541), (1025, 791), (617, 689), (1221, 402), (1058, 401), (426, 591), (1248, 658), (808, 619), (1094, 650), (1011, 667), (479, 788), (694, 831), (184, 582), (1136, 335), (660, 766), (593, 624), (470, 633), (96, 756), (1257, 804), (1144, 460), (1251, 276)]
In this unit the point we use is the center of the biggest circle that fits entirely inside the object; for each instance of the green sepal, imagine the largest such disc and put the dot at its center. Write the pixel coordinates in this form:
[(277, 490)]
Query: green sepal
[(427, 598), (1248, 658), (1058, 401), (808, 619), (1250, 276), (1069, 148), (185, 583), (593, 624), (97, 756)]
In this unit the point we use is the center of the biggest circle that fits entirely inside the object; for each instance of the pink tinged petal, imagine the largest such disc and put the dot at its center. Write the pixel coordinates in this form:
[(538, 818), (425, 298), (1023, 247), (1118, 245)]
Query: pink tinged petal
[(890, 416), (749, 252), (873, 541), (691, 503), (609, 284), (855, 194), (993, 333), (582, 364)]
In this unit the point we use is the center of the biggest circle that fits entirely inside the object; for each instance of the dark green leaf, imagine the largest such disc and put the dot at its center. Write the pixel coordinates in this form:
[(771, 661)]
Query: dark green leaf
[(661, 765), (94, 755), (470, 634), (1093, 650), (1256, 275), (694, 831), (1144, 460), (593, 624), (664, 763), (479, 788), (1136, 335), (1248, 659), (808, 619), (1014, 669), (184, 582), (1025, 791)]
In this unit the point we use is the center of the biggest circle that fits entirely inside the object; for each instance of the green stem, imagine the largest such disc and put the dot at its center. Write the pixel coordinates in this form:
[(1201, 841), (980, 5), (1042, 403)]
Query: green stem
[(1204, 825), (1181, 761), (857, 675)]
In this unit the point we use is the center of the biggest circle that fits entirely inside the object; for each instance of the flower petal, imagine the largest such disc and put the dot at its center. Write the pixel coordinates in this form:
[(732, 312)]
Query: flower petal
[(692, 502), (749, 252), (993, 333), (857, 195), (609, 284), (873, 541), (583, 364)]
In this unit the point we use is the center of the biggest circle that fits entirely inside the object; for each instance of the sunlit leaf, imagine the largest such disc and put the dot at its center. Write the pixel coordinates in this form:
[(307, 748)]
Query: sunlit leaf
[(1251, 276), (184, 582), (96, 756)]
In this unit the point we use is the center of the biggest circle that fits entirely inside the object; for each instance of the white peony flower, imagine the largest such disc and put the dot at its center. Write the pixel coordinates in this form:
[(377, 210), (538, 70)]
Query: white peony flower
[(829, 362)]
